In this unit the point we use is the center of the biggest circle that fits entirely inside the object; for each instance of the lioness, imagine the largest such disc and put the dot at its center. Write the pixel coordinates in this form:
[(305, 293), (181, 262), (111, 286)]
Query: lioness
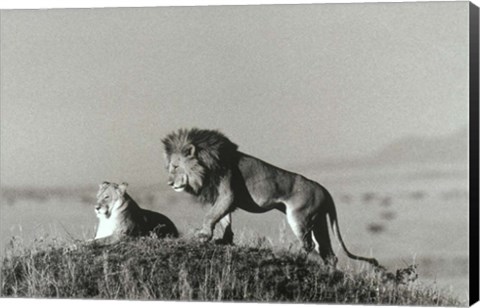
[(208, 165), (119, 215)]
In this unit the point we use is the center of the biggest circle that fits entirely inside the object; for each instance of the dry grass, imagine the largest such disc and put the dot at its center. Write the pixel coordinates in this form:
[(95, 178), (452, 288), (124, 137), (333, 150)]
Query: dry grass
[(149, 268)]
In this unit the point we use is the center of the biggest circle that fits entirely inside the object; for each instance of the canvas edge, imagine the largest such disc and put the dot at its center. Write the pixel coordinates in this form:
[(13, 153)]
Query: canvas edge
[(474, 153)]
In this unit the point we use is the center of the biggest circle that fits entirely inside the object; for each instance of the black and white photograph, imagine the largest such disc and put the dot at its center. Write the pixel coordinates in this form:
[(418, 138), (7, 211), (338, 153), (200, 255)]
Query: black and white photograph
[(308, 153)]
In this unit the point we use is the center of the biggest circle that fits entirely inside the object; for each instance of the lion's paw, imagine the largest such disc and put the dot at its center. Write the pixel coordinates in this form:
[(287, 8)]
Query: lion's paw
[(221, 241), (203, 236)]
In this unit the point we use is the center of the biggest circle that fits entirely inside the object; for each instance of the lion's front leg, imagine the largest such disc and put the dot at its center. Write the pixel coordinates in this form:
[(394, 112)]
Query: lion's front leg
[(222, 207), (107, 240), (226, 224)]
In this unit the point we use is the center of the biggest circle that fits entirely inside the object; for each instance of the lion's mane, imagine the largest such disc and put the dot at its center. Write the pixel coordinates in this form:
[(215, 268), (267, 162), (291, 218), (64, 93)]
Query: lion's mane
[(214, 155)]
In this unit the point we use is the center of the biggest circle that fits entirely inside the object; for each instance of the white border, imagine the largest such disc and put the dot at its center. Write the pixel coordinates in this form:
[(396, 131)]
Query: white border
[(48, 4), (45, 4)]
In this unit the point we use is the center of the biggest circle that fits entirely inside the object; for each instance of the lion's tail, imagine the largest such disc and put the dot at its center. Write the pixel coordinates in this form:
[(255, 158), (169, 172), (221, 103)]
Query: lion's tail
[(332, 213)]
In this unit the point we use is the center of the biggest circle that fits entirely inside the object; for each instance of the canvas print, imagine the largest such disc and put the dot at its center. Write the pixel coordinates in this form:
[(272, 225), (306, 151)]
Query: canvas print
[(270, 153)]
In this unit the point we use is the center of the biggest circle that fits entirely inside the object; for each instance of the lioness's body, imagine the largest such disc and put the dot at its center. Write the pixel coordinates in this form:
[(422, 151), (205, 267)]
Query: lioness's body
[(206, 164), (119, 215)]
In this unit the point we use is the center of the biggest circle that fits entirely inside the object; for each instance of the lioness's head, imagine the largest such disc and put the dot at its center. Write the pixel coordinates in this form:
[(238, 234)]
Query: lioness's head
[(195, 159), (110, 196)]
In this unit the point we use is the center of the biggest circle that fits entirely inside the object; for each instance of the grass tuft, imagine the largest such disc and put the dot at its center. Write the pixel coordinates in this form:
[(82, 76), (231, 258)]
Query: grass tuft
[(148, 268)]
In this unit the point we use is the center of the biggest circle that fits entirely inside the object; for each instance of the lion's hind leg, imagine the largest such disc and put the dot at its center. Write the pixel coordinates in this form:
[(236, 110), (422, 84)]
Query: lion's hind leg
[(322, 240), (300, 229)]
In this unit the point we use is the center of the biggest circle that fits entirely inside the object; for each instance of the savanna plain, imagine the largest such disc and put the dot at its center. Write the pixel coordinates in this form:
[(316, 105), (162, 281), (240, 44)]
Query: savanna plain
[(412, 217)]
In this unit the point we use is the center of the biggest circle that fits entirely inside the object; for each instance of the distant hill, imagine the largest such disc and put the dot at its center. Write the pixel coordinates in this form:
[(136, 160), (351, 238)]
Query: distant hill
[(449, 148)]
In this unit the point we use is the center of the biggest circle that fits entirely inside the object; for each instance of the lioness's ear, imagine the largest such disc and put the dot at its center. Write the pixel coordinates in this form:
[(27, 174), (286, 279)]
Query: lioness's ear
[(105, 183), (122, 188), (189, 150)]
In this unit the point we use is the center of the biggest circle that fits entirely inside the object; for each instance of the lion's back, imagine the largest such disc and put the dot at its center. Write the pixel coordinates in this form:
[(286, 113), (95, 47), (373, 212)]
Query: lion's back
[(264, 179)]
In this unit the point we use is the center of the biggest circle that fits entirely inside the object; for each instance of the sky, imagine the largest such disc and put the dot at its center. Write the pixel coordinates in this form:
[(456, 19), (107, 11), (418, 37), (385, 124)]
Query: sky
[(88, 94)]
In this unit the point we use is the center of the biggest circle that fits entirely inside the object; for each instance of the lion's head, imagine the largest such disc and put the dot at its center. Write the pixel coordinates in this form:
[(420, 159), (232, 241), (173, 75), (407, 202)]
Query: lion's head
[(196, 160), (110, 196)]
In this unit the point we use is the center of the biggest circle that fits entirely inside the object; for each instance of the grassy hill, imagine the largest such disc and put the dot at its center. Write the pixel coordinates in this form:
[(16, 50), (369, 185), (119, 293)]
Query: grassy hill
[(149, 268)]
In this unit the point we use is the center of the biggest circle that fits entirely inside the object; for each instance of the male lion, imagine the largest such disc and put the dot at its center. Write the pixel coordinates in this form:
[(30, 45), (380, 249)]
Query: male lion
[(208, 165), (119, 215)]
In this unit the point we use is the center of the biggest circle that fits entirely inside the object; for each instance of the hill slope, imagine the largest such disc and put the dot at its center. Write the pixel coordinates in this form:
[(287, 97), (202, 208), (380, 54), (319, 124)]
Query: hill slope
[(148, 268)]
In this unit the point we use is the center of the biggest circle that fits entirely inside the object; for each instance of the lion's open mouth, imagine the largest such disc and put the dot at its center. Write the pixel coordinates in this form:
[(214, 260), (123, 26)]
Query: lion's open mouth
[(179, 188), (100, 213)]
